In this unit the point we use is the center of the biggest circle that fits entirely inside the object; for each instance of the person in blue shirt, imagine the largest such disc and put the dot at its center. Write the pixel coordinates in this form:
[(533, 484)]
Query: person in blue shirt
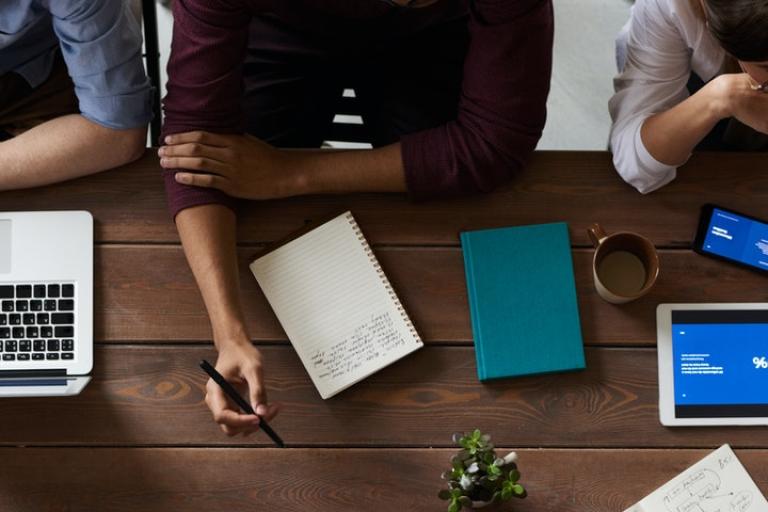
[(74, 97)]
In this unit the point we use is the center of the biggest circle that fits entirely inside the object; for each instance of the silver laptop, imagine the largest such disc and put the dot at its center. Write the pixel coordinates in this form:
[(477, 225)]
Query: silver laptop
[(46, 303)]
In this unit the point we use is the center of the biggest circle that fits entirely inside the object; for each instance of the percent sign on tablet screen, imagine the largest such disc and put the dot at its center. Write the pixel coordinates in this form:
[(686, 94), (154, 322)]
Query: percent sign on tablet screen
[(760, 362)]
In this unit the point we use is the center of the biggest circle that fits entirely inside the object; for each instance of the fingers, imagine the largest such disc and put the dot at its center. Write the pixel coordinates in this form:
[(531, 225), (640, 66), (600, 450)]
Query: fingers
[(202, 137), (194, 163), (257, 393), (253, 375), (230, 421), (195, 149), (204, 180), (268, 411)]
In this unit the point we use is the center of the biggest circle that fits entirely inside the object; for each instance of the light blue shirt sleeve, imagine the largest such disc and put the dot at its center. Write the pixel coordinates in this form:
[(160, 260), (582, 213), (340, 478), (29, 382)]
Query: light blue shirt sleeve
[(101, 44)]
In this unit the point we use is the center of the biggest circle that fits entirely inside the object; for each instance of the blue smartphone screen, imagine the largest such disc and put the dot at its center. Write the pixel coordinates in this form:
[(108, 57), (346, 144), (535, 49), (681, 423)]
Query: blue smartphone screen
[(737, 238)]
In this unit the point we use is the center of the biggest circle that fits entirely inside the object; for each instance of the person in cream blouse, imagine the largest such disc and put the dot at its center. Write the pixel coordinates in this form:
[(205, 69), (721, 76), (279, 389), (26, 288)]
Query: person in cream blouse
[(658, 117)]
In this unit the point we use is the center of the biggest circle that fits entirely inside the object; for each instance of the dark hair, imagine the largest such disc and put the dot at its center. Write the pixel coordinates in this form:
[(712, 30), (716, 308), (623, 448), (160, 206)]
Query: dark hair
[(741, 27)]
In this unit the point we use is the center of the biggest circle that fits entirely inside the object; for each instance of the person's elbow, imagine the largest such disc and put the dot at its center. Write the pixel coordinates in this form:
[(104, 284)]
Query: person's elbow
[(134, 143), (128, 145), (465, 157), (638, 168), (499, 157)]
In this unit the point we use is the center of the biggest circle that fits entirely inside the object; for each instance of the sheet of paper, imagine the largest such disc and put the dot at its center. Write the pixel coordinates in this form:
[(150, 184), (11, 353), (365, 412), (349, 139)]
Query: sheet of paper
[(717, 483), (335, 305)]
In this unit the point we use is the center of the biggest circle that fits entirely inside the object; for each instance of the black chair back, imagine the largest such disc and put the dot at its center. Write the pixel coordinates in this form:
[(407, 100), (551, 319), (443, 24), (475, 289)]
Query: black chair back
[(152, 55)]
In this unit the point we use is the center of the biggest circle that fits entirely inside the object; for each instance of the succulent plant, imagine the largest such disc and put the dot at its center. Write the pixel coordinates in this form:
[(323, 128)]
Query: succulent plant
[(477, 474)]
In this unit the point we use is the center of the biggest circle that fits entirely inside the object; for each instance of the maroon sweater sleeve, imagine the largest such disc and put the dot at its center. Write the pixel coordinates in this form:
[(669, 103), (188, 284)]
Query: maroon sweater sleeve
[(502, 108), (210, 38)]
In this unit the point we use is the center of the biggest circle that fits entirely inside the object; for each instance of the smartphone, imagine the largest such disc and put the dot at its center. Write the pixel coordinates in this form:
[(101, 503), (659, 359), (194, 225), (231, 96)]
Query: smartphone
[(731, 236)]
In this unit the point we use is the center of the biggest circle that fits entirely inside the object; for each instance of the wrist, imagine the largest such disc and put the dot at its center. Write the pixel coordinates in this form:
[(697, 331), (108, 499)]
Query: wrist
[(322, 171), (722, 97), (230, 336), (297, 172), (223, 344)]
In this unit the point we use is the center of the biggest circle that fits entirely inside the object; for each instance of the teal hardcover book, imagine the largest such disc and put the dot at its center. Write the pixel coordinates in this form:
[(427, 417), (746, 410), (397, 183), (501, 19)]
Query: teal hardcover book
[(522, 300)]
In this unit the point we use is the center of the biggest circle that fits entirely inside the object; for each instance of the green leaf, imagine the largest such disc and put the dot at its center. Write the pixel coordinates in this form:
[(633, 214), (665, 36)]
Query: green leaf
[(454, 506), (518, 489), (514, 476)]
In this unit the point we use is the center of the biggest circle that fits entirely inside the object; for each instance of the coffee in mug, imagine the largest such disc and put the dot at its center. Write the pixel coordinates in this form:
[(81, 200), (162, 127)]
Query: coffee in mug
[(625, 265)]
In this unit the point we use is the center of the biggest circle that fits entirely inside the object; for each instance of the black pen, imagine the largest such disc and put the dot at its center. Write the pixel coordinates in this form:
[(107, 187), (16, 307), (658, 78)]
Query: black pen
[(235, 396)]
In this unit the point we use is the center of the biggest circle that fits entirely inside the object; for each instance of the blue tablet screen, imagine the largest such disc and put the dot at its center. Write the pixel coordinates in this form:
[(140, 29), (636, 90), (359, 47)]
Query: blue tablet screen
[(720, 363), (737, 238)]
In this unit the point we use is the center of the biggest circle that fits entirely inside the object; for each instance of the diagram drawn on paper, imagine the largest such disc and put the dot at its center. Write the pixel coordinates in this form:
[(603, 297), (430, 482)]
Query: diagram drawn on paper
[(717, 483), (701, 492)]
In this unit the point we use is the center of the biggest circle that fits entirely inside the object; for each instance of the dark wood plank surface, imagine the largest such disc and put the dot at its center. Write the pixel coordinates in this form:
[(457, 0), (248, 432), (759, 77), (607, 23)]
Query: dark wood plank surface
[(140, 438), (154, 396), (147, 293), (323, 480), (578, 187)]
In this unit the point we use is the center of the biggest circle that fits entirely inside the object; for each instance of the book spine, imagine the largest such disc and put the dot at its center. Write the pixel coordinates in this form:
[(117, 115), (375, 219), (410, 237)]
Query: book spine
[(472, 299), (382, 275)]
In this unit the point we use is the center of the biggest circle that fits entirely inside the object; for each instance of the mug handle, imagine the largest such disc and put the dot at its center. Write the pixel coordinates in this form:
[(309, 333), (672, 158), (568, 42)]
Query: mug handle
[(596, 234)]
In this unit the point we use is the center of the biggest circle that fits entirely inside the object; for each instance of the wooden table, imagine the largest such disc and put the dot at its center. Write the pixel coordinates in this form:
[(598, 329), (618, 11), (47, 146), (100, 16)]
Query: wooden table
[(140, 438)]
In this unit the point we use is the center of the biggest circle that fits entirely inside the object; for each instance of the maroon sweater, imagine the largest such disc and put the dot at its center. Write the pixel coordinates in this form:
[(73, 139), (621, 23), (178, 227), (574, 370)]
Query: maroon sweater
[(501, 111)]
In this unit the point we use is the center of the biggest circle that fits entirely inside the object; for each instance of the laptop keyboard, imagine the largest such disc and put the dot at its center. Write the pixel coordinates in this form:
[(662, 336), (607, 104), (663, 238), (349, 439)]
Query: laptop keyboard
[(37, 322)]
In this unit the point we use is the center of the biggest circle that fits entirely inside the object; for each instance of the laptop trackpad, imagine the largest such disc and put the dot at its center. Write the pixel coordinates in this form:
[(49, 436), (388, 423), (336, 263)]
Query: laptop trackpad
[(5, 246)]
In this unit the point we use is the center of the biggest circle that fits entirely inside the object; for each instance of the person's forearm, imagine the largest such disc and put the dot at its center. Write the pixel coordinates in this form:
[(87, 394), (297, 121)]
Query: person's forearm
[(671, 136), (65, 148), (208, 236), (337, 172)]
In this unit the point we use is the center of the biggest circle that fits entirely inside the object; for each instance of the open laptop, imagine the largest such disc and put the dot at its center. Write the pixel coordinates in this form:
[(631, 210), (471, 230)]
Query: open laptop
[(46, 303)]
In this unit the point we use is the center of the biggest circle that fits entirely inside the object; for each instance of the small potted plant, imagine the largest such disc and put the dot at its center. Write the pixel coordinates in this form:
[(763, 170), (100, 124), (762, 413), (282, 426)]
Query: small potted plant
[(478, 478)]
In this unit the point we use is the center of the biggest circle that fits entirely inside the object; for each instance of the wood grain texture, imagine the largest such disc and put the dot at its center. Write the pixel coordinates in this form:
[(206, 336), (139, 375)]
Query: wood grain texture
[(154, 396), (147, 293), (320, 480), (140, 437), (577, 187)]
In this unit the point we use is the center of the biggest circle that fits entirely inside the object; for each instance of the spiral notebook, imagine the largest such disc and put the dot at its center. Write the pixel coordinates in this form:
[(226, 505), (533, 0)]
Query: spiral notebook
[(336, 305)]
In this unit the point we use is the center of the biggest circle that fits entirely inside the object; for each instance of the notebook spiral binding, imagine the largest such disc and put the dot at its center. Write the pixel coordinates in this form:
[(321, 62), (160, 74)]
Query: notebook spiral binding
[(382, 275)]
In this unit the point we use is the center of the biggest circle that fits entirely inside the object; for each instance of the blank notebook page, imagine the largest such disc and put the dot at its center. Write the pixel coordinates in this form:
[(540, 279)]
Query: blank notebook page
[(336, 305)]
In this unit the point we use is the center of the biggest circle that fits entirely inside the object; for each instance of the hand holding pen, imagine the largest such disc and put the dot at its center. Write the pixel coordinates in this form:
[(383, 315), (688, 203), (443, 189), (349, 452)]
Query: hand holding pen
[(241, 421)]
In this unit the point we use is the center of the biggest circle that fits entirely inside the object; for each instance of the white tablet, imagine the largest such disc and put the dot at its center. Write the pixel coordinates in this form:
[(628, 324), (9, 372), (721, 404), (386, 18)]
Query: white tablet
[(713, 364)]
